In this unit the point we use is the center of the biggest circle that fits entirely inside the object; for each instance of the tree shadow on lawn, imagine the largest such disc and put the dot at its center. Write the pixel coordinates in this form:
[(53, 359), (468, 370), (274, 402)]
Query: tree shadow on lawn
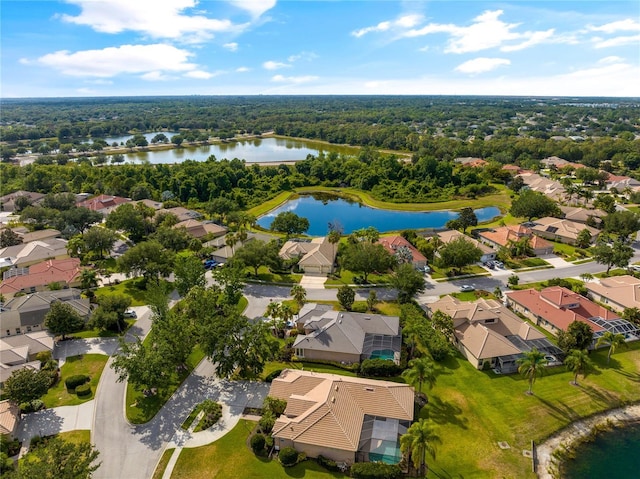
[(560, 411), (635, 377), (599, 395), (444, 412)]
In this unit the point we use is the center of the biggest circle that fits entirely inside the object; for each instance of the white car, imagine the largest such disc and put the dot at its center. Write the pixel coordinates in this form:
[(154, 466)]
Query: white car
[(130, 313), (465, 288)]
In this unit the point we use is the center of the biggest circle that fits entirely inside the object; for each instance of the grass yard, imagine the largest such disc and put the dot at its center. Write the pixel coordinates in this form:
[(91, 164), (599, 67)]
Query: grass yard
[(348, 277), (77, 437), (521, 263), (570, 253), (162, 464), (141, 409), (131, 287), (543, 284), (101, 333), (450, 273), (307, 366), (473, 410), (230, 457), (264, 274), (89, 364)]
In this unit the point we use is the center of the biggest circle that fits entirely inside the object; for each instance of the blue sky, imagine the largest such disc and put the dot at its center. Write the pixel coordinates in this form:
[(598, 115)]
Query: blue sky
[(250, 47)]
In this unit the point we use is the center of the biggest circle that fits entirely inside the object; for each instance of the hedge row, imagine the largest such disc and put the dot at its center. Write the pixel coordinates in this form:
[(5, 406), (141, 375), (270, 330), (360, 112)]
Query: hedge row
[(72, 382)]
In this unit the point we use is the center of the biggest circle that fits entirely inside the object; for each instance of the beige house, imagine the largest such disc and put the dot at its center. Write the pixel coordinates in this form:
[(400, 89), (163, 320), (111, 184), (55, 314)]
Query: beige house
[(19, 352), (7, 202), (617, 292), (488, 253), (182, 213), (501, 237), (314, 257), (199, 229), (346, 336), (551, 188), (9, 418), (342, 418), (582, 215), (562, 230), (26, 254), (488, 334)]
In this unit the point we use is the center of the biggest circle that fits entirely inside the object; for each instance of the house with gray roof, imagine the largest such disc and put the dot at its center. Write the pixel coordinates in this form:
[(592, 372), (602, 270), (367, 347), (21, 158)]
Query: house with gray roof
[(346, 337)]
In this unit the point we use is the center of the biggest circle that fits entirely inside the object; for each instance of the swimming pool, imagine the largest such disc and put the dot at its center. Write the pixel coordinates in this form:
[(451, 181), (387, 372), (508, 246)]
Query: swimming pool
[(382, 354)]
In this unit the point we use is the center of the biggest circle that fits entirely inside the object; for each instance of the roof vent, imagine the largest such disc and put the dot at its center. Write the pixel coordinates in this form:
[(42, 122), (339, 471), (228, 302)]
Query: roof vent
[(369, 389), (367, 317), (333, 399), (336, 388), (342, 315)]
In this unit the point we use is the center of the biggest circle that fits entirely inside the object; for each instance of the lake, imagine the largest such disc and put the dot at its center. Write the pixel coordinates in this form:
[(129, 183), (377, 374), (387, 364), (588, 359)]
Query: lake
[(614, 454), (258, 150), (323, 209)]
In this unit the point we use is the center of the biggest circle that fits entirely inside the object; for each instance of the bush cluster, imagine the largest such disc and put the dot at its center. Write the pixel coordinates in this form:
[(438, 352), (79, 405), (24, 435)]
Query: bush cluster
[(382, 368), (288, 456), (83, 390), (375, 470), (31, 406), (328, 464), (9, 446), (272, 375), (72, 382), (212, 414), (257, 443)]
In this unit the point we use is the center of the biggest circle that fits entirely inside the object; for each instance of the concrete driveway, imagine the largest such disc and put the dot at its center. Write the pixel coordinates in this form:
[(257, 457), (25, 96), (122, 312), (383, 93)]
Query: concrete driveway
[(56, 420)]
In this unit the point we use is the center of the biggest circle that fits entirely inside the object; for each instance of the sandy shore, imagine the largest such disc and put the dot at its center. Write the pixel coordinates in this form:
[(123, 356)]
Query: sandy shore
[(579, 429)]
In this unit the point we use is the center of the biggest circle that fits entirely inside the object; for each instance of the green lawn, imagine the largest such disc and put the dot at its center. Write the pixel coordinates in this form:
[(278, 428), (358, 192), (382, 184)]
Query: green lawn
[(141, 409), (473, 410), (130, 287), (77, 437), (439, 273), (89, 364), (521, 263), (347, 277), (101, 333), (307, 366), (230, 457), (162, 464), (570, 253), (264, 274)]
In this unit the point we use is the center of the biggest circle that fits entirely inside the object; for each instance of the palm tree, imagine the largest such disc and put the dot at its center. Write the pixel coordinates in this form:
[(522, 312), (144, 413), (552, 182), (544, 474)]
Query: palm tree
[(417, 442), (532, 365), (613, 340), (299, 294), (586, 277), (334, 239), (421, 370), (88, 279), (578, 361)]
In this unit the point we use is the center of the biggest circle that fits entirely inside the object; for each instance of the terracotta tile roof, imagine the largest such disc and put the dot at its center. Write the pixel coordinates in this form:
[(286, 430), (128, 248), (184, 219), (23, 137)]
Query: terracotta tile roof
[(502, 236), (337, 406), (102, 202), (392, 243), (560, 307), (9, 417), (64, 271), (622, 290)]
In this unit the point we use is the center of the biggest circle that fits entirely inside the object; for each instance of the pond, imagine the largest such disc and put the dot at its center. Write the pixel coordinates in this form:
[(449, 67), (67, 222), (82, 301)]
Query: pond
[(122, 139), (258, 150), (321, 210)]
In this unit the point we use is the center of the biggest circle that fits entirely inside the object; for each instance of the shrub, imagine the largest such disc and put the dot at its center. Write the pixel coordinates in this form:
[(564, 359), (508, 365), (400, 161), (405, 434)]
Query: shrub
[(375, 470), (43, 356), (288, 456), (267, 421), (275, 405), (31, 406), (212, 413), (272, 375), (9, 446), (328, 464), (83, 390), (257, 443), (72, 382), (379, 368)]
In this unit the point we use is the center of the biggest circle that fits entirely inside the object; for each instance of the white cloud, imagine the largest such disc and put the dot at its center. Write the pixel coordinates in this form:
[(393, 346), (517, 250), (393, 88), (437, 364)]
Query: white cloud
[(296, 80), (232, 47), (611, 59), (481, 65), (199, 75), (534, 39), (254, 7), (158, 19), (405, 21), (613, 27), (243, 69), (307, 56), (616, 41), (155, 76), (112, 61), (271, 65)]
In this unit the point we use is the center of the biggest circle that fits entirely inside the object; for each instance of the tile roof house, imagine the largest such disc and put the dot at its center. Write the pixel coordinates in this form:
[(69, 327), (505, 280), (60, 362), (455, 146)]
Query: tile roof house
[(582, 215), (554, 161), (315, 257), (488, 253), (621, 182), (66, 272), (39, 235), (515, 169), (551, 188), (198, 229), (9, 418), (103, 204), (19, 352), (618, 292), (7, 202), (25, 314), (555, 308), (393, 244), (156, 205), (25, 254), (562, 230), (500, 237), (346, 336), (472, 162), (342, 418), (183, 214), (487, 332)]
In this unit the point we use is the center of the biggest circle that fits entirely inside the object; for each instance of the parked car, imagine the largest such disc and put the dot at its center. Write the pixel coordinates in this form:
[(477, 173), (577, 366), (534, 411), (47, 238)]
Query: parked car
[(465, 288), (490, 265), (210, 264), (130, 313), (499, 264)]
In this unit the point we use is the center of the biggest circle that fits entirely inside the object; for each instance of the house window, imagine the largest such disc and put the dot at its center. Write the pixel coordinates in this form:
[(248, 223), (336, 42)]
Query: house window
[(28, 329), (300, 353), (17, 330), (32, 289), (8, 333)]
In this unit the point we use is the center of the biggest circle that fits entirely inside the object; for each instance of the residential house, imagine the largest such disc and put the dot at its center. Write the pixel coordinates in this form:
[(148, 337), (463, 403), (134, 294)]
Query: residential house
[(621, 183), (396, 245), (551, 188), (472, 162), (156, 205), (103, 204), (25, 314), (183, 214), (583, 215), (555, 308), (26, 254), (314, 257), (345, 419), (559, 163), (65, 272), (199, 229), (9, 418), (488, 253), (562, 230), (39, 235), (19, 352), (7, 202), (346, 336), (501, 237), (489, 335), (617, 292), (513, 169)]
